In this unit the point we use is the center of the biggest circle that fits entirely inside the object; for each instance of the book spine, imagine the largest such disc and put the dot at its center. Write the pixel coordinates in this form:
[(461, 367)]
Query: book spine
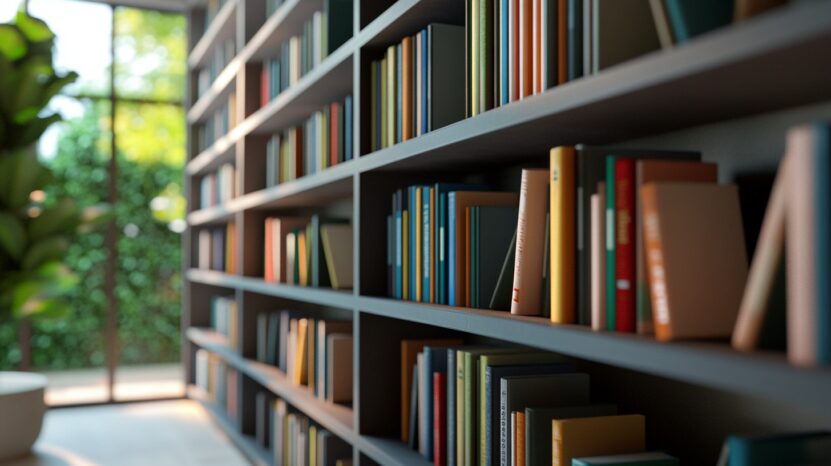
[(460, 412), (451, 249), (655, 264), (426, 235), (413, 240), (450, 408), (439, 419), (625, 245), (527, 286), (503, 423), (610, 244), (822, 181), (407, 88), (425, 407), (487, 428), (562, 231)]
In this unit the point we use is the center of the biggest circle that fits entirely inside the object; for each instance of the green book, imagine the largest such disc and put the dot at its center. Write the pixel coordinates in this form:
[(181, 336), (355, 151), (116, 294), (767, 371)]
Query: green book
[(610, 243), (538, 428), (633, 459)]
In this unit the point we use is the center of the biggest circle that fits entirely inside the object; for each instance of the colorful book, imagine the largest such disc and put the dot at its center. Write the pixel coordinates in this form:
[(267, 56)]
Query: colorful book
[(563, 231), (530, 243)]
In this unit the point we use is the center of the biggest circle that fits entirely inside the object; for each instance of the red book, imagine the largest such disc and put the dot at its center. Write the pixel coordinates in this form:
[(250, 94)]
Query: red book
[(333, 134), (264, 85), (439, 419), (625, 245)]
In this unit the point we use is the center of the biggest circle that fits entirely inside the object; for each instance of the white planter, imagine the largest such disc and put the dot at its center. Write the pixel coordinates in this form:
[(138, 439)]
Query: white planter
[(21, 412)]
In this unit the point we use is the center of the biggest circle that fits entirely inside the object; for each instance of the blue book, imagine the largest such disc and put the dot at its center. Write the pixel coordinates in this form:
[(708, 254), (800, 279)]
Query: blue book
[(505, 66), (822, 153), (347, 131), (451, 248), (399, 102), (435, 360), (690, 18), (412, 249), (426, 235), (399, 239)]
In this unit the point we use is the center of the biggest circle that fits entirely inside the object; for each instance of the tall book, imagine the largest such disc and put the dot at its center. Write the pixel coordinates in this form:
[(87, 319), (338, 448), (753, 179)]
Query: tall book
[(527, 288), (563, 229), (445, 49), (440, 418), (622, 30), (697, 262), (625, 245)]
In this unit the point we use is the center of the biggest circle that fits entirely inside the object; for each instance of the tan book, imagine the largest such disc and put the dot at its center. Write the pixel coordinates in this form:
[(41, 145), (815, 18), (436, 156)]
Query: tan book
[(409, 352), (339, 368), (291, 258), (526, 294), (697, 263), (337, 249), (598, 259), (592, 436), (324, 329), (464, 200), (767, 259), (650, 171), (279, 228)]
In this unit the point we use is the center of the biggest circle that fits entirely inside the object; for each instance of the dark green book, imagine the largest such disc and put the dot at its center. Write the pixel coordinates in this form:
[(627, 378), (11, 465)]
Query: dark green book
[(806, 449), (339, 23), (492, 231), (501, 297), (538, 428), (690, 18), (651, 458)]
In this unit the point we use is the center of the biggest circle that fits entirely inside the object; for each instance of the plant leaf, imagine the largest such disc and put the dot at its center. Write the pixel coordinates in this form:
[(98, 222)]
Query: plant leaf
[(45, 251), (28, 173), (60, 218), (34, 29), (12, 43), (12, 235)]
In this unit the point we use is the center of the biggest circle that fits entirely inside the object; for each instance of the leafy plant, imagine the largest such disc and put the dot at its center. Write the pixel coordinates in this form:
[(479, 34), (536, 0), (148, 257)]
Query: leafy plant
[(35, 231)]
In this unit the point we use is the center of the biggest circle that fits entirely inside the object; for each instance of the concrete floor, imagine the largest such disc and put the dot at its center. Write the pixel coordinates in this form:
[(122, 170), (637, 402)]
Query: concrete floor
[(163, 433), (151, 381)]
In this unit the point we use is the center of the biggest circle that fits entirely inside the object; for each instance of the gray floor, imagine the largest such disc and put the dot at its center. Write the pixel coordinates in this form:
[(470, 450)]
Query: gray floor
[(154, 433)]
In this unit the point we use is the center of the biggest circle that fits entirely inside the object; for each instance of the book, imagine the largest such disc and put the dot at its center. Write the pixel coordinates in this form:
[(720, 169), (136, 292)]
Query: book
[(435, 361), (526, 292), (647, 171), (691, 18), (563, 229), (594, 436), (411, 433), (518, 422), (339, 368), (276, 231), (445, 77), (337, 250), (520, 392), (324, 349), (625, 320), (501, 298), (575, 39), (655, 458), (808, 448), (622, 30), (598, 260), (450, 407), (409, 351), (493, 229), (439, 419), (697, 263), (457, 202), (538, 427)]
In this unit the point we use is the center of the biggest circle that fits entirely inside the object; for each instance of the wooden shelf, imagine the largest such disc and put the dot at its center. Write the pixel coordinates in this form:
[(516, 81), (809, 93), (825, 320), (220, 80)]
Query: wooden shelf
[(258, 455), (221, 28), (335, 418)]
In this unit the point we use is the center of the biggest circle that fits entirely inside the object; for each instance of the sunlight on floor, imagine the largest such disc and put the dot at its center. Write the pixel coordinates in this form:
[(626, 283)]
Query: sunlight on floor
[(132, 383)]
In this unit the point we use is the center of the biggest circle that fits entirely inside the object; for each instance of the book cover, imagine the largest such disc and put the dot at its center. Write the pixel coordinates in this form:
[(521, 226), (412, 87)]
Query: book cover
[(655, 458), (519, 438), (435, 361), (407, 88), (624, 29), (485, 47), (348, 128), (501, 298), (439, 419), (562, 230), (427, 236), (446, 51), (696, 258), (526, 57), (691, 18), (562, 41), (538, 427), (527, 289), (551, 390), (822, 232), (495, 227), (594, 436), (625, 245)]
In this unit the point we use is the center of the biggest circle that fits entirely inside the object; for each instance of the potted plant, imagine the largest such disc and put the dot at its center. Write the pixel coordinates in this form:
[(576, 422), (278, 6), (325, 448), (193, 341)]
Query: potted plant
[(35, 231)]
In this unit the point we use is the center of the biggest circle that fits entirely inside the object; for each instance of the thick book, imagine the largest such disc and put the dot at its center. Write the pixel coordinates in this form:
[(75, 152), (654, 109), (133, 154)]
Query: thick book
[(337, 250), (652, 458), (520, 392), (648, 171), (593, 436), (697, 262), (691, 18), (439, 418), (493, 229), (623, 29), (538, 427), (533, 200), (339, 368), (563, 231)]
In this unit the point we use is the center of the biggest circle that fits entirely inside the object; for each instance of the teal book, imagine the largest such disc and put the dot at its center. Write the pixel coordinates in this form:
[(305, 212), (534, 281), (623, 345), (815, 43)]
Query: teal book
[(338, 14), (807, 448), (610, 244), (822, 156), (654, 458), (690, 18)]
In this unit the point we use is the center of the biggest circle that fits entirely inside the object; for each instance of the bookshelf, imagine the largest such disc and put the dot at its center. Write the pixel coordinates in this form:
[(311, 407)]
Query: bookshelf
[(697, 95)]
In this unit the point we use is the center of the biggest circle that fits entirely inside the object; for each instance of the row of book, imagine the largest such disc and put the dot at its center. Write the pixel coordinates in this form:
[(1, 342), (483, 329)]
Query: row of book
[(518, 48), (322, 34), (218, 124), (416, 86), (218, 187), (464, 405), (217, 249), (217, 380), (221, 56), (315, 353), (293, 438), (308, 251), (323, 141), (225, 318)]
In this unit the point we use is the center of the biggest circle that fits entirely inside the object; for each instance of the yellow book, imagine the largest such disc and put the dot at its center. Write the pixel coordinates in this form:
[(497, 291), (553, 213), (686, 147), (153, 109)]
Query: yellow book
[(311, 333), (391, 85), (312, 445), (562, 231), (302, 259), (417, 244), (594, 436), (383, 97), (405, 254), (300, 374)]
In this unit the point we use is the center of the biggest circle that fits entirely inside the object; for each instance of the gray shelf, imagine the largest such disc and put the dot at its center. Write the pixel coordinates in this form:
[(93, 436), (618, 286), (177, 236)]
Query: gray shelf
[(284, 23), (215, 96), (221, 151), (258, 455), (335, 418), (210, 216), (388, 451), (222, 27)]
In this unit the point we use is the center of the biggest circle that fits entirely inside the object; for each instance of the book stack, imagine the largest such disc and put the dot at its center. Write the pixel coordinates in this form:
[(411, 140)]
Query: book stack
[(218, 381), (496, 405), (792, 256), (222, 55), (323, 141), (415, 87), (308, 251), (474, 226), (297, 440), (315, 353), (218, 187), (225, 318), (218, 125), (322, 34), (217, 249)]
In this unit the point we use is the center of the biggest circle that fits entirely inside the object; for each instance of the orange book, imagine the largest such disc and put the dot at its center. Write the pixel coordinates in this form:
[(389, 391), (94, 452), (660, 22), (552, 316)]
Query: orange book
[(513, 44), (407, 88), (696, 260), (519, 451), (302, 260), (562, 45), (595, 436), (562, 231), (525, 48)]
